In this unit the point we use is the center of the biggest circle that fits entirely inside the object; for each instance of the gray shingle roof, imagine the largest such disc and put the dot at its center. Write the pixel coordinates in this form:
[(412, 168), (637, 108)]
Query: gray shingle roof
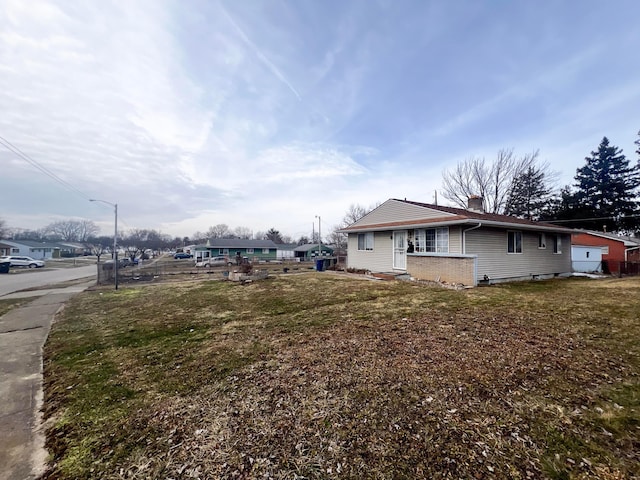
[(239, 243)]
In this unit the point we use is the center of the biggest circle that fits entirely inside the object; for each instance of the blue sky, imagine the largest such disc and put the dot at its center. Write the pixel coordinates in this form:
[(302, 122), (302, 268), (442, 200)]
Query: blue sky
[(266, 113)]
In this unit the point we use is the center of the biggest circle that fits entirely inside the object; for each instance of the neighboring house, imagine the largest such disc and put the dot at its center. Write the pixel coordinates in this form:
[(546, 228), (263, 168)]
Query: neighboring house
[(285, 251), (615, 249), (33, 249), (586, 259), (310, 251), (254, 250), (5, 249), (73, 249), (454, 245)]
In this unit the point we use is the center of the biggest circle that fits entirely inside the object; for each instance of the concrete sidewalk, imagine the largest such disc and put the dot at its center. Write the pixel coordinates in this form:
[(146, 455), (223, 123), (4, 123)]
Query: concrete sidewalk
[(23, 332)]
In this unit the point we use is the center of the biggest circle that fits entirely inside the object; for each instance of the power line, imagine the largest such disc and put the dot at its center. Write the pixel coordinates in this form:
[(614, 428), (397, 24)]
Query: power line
[(12, 148), (592, 219)]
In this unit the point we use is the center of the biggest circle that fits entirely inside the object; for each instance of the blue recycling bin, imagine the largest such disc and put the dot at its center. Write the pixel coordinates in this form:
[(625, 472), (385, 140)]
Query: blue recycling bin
[(320, 265), (4, 267)]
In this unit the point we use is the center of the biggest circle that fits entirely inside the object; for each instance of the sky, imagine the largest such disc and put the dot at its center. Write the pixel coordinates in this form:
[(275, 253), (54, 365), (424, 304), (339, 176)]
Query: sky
[(271, 113)]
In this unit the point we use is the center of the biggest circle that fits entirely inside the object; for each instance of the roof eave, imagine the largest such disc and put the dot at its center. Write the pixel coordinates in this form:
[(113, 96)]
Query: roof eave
[(446, 223)]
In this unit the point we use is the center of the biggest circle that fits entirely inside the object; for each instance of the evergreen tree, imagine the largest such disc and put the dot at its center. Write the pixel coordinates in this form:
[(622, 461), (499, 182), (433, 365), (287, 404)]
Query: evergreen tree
[(606, 189), (529, 194)]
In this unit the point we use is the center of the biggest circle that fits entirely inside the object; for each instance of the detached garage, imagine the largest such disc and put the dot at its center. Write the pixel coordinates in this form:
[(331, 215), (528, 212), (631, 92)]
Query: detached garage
[(586, 258)]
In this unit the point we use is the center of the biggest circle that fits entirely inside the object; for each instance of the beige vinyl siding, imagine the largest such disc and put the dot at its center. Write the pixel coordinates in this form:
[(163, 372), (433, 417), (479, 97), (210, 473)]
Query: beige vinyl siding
[(380, 259), (395, 211), (455, 240), (490, 245)]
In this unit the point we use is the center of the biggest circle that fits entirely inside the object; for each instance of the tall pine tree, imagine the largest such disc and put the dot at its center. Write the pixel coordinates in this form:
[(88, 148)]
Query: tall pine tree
[(529, 194), (607, 189)]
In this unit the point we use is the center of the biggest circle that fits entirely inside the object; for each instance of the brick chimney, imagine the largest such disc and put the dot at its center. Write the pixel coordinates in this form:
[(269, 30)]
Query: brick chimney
[(475, 203)]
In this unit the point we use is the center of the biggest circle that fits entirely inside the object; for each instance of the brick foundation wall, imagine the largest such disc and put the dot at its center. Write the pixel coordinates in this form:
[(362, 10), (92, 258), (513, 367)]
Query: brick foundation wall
[(450, 269)]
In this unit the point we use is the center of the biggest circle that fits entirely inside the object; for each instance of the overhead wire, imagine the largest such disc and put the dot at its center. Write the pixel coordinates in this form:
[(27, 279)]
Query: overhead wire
[(15, 150)]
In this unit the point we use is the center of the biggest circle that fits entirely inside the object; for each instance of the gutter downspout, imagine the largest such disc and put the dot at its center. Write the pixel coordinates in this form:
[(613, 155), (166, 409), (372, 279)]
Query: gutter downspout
[(464, 237)]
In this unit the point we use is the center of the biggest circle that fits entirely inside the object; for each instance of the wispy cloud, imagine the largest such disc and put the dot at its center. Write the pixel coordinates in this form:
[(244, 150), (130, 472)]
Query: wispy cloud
[(261, 56), (244, 113)]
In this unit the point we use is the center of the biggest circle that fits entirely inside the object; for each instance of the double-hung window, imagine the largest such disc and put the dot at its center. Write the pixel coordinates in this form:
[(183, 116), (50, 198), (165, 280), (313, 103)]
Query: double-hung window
[(432, 240), (557, 244), (514, 242), (365, 241), (542, 240)]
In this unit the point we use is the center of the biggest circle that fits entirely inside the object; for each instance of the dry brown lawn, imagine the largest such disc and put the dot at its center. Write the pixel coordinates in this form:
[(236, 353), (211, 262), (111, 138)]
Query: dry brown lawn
[(326, 376)]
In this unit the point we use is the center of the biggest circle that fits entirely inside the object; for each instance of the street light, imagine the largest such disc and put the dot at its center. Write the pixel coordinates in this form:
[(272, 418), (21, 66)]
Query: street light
[(115, 239)]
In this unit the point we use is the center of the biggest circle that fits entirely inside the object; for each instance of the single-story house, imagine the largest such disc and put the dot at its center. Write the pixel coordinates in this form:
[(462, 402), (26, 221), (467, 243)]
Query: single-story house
[(285, 251), (33, 249), (5, 249), (454, 245), (73, 249), (586, 259), (616, 249), (309, 251), (254, 250)]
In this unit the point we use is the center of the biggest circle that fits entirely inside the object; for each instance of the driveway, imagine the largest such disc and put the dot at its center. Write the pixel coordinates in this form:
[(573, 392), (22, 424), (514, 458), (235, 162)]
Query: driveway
[(21, 280)]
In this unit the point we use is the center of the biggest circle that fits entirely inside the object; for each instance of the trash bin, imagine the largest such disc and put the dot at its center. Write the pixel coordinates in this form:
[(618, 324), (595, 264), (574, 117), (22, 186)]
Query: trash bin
[(320, 265), (4, 267)]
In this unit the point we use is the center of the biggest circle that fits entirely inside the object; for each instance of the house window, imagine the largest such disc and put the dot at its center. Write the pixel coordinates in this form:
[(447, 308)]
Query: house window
[(17, 250), (557, 244), (542, 240), (365, 241), (249, 250), (514, 242), (265, 251), (605, 250), (432, 240), (223, 251)]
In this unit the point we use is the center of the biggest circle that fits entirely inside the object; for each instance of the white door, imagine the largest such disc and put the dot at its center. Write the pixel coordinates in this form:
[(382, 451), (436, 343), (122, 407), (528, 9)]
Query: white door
[(400, 250)]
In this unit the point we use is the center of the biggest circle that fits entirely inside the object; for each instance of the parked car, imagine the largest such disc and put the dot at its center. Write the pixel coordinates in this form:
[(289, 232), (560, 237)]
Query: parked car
[(214, 262), (17, 261), (182, 255), (122, 262)]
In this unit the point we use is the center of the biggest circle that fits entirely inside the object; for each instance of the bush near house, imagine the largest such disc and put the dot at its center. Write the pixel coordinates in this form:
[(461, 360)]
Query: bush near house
[(322, 376)]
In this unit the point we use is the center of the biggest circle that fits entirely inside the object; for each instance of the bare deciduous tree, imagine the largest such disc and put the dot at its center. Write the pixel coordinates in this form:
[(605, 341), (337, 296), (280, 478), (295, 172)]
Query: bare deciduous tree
[(73, 230), (4, 230), (492, 181), (218, 231), (354, 213), (244, 233)]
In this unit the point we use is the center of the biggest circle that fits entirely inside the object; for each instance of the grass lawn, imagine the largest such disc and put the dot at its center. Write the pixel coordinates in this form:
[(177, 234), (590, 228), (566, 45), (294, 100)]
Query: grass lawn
[(325, 376)]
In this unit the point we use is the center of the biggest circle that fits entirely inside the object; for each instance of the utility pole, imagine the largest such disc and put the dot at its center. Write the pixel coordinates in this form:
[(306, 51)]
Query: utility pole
[(319, 236), (115, 239)]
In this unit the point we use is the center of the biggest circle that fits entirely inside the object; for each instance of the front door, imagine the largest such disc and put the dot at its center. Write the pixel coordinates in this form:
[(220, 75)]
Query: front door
[(400, 250)]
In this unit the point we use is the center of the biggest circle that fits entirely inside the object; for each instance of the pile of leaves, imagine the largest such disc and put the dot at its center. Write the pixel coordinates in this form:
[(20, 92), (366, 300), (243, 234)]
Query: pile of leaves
[(321, 376)]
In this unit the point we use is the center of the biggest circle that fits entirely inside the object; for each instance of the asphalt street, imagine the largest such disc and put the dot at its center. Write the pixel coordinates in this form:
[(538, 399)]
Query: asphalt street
[(20, 280)]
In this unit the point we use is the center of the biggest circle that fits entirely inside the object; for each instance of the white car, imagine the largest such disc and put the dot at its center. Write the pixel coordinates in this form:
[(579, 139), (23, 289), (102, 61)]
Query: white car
[(213, 262), (17, 261)]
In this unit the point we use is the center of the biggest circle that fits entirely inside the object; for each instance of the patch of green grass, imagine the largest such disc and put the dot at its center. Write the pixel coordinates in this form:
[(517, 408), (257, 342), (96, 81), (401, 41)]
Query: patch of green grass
[(9, 304)]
